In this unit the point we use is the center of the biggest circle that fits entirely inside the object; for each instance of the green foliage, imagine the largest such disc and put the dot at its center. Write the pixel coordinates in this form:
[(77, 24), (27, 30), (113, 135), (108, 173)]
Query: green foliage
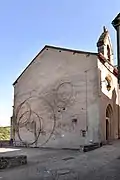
[(4, 133)]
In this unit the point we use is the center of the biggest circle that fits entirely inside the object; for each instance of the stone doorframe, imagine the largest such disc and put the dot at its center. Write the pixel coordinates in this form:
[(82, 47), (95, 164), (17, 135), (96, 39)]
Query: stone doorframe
[(109, 128)]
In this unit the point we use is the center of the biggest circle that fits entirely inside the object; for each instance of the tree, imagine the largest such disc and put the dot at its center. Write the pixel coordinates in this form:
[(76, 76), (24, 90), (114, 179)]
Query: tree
[(4, 133)]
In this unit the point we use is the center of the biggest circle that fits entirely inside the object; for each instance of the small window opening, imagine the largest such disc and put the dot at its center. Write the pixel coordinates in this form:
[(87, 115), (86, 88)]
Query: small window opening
[(108, 53)]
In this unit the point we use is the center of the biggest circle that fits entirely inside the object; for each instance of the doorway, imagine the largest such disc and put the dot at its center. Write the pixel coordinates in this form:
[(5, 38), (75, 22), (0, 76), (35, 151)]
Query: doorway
[(109, 120), (107, 129)]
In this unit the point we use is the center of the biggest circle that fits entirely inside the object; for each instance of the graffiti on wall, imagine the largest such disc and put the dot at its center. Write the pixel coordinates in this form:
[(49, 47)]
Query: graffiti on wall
[(40, 115)]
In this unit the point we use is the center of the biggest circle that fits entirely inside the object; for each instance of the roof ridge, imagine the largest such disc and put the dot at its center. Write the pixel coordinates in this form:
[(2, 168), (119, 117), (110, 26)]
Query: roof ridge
[(70, 49)]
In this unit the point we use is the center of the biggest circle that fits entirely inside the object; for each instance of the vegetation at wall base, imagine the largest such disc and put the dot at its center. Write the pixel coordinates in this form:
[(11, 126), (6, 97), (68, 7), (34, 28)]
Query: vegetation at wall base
[(4, 133)]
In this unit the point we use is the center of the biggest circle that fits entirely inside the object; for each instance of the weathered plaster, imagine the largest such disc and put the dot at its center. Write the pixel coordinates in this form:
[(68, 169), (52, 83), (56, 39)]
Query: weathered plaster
[(60, 90)]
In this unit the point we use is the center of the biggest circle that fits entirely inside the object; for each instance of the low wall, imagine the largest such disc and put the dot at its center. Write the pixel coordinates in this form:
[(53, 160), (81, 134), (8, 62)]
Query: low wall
[(12, 161), (4, 143)]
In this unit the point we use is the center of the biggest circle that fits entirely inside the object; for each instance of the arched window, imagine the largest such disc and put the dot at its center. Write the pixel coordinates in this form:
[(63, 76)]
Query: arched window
[(108, 53)]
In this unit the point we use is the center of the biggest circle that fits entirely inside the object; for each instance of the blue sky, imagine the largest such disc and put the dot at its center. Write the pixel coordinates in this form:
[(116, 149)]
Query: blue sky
[(27, 25)]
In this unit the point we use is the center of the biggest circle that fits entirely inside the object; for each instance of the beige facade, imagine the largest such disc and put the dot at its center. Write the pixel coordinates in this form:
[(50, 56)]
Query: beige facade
[(64, 98)]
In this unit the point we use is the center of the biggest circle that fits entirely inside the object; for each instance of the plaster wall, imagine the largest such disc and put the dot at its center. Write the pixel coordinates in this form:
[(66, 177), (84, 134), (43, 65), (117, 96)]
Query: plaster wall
[(56, 100), (108, 98)]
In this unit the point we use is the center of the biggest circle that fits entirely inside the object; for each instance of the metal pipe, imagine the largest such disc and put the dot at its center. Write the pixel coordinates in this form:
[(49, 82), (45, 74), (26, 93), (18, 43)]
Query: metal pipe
[(86, 102), (86, 89)]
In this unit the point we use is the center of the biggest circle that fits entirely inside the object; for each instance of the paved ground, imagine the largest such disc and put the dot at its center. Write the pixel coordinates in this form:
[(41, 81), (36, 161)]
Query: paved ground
[(102, 163)]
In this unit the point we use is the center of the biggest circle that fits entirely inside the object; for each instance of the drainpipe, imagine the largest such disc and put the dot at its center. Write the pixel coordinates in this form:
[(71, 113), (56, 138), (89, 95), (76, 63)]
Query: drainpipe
[(86, 101), (116, 25)]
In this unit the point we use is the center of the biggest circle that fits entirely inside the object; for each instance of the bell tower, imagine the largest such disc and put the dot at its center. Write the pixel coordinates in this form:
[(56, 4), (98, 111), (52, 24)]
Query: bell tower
[(104, 45)]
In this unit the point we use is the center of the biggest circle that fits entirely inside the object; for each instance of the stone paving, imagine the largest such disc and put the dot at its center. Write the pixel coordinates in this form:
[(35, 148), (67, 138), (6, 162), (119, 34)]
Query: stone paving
[(102, 163)]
